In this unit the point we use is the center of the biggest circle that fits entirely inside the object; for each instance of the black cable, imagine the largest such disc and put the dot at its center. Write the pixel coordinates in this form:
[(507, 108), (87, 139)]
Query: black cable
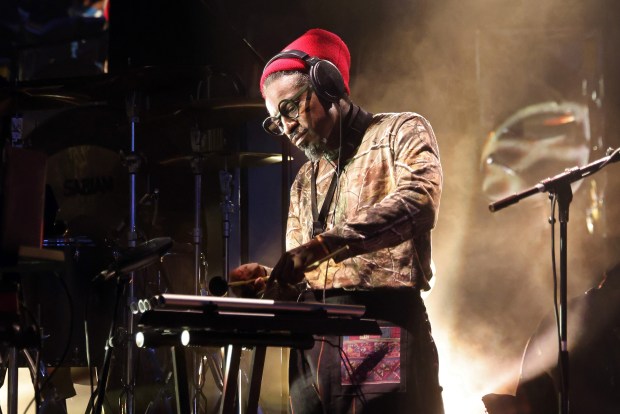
[(349, 368), (337, 195), (36, 389), (35, 380), (87, 337)]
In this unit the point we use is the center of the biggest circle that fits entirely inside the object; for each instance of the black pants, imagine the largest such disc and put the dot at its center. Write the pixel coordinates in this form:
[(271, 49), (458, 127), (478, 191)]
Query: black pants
[(397, 373)]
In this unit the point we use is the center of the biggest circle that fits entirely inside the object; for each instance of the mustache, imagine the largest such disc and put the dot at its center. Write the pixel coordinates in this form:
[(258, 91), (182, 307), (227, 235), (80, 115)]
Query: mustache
[(297, 132)]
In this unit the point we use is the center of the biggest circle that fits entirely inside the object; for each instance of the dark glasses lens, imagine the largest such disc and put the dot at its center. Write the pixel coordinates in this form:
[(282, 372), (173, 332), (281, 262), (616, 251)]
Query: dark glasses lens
[(273, 125)]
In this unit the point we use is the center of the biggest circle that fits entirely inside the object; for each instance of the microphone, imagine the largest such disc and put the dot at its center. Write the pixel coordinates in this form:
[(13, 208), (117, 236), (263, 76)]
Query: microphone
[(137, 258)]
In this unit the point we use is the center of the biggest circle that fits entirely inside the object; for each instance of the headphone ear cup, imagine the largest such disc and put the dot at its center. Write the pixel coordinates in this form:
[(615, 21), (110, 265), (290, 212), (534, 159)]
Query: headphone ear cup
[(327, 80)]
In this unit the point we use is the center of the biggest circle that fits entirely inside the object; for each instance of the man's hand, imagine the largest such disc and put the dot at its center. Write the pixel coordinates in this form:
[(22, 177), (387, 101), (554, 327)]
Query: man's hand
[(292, 265), (252, 273)]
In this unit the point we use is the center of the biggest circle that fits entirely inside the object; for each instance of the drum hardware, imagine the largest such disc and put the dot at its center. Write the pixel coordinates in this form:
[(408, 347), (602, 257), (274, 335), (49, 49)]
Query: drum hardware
[(99, 89), (125, 267), (218, 113), (89, 94), (221, 160), (20, 99), (133, 103), (151, 198), (207, 141), (205, 119), (198, 141), (226, 187)]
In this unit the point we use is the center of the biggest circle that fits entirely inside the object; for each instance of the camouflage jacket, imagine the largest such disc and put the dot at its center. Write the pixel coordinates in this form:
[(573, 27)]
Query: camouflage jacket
[(384, 207)]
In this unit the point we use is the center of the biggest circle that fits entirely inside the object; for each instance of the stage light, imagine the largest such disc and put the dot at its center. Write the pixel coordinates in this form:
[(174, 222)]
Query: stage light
[(185, 337), (140, 339), (144, 305)]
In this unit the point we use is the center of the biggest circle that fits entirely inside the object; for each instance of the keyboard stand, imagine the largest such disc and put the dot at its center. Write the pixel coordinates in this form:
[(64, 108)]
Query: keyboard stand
[(236, 324)]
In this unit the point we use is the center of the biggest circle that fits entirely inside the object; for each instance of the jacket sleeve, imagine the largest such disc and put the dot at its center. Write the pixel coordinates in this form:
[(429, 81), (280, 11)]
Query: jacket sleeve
[(410, 207)]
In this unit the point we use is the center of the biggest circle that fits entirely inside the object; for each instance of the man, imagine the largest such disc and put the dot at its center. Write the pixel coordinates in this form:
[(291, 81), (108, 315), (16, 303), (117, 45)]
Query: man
[(368, 196)]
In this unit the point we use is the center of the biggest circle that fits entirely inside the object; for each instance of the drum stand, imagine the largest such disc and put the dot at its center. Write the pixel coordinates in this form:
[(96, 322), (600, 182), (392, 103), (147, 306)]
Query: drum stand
[(228, 208), (200, 143), (200, 364), (197, 166), (133, 163)]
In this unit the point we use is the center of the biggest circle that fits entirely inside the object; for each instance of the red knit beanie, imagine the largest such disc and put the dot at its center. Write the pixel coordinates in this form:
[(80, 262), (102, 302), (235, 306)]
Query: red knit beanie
[(315, 42)]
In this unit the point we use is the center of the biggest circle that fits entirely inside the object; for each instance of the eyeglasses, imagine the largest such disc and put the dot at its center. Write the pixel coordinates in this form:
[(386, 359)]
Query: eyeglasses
[(288, 108)]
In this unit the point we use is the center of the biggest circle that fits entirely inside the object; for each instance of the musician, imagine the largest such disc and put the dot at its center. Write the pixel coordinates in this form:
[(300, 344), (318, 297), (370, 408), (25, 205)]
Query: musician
[(369, 195)]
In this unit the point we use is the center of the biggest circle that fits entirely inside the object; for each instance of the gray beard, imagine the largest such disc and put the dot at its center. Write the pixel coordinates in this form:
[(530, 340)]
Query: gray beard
[(313, 152), (318, 150)]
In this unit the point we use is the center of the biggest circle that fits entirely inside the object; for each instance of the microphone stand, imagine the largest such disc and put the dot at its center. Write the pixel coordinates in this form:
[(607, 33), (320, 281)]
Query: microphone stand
[(133, 162), (559, 186), (198, 140)]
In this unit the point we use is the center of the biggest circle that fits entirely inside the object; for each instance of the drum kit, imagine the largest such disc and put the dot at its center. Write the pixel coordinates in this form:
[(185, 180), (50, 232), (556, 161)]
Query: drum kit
[(114, 142)]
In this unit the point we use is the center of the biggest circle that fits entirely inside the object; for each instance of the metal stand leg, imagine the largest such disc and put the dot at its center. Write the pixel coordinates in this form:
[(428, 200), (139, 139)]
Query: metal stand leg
[(256, 376), (227, 209), (180, 379), (197, 232), (12, 374), (231, 376), (103, 379)]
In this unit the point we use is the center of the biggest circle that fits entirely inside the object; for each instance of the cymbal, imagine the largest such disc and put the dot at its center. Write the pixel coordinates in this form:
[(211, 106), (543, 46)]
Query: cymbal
[(225, 160), (56, 93), (217, 113), (17, 100), (74, 91)]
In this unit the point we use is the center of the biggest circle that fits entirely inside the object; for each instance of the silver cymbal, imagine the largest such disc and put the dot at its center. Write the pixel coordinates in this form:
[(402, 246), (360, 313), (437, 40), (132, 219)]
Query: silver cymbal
[(214, 113), (225, 160)]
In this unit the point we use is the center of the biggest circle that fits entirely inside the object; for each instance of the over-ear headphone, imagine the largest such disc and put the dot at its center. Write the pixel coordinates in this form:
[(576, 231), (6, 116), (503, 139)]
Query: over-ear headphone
[(325, 77)]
